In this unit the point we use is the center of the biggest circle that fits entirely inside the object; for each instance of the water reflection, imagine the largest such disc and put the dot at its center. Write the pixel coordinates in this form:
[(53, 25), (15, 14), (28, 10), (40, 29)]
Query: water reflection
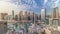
[(18, 26)]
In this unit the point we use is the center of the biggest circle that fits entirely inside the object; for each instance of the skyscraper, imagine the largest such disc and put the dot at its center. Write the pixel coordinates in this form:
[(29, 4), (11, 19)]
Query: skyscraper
[(16, 17), (13, 14), (43, 14), (55, 16), (54, 20), (33, 17), (25, 15), (29, 16), (39, 16), (20, 15), (55, 13)]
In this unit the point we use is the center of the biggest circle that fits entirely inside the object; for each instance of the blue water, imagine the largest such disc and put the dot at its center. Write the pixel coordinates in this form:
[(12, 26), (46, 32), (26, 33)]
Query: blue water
[(17, 26)]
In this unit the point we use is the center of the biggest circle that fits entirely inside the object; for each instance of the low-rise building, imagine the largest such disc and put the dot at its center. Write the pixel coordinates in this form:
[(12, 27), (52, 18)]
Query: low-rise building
[(3, 27)]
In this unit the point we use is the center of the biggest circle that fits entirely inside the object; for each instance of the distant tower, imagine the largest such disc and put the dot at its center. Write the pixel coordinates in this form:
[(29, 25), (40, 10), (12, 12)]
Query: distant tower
[(20, 15), (16, 17), (33, 17), (43, 14), (13, 13), (29, 16), (26, 15)]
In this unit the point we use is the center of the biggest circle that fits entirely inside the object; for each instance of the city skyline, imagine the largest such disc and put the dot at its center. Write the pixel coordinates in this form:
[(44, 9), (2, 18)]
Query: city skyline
[(29, 17), (29, 5)]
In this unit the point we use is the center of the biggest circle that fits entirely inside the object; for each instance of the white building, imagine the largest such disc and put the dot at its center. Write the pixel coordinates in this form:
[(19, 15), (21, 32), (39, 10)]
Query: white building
[(8, 17), (43, 14)]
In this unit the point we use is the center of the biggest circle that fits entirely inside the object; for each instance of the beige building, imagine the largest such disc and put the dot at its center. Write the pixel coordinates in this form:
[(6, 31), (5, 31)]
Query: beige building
[(20, 15), (2, 15), (25, 15), (55, 13), (54, 17)]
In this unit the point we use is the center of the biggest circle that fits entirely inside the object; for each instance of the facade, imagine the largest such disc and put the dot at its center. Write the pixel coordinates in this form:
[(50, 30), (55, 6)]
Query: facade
[(3, 27), (36, 18), (2, 15), (20, 14), (29, 16), (54, 20), (25, 15), (59, 22), (39, 16), (16, 17), (13, 14), (32, 17), (8, 17), (47, 21), (55, 13), (43, 14)]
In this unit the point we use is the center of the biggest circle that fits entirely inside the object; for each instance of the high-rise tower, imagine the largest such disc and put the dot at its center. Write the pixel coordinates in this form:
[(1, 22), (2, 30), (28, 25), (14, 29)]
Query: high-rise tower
[(54, 20), (55, 13), (13, 14), (55, 16), (43, 14)]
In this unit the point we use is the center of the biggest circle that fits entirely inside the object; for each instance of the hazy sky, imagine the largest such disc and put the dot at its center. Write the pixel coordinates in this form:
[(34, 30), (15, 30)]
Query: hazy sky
[(31, 5)]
